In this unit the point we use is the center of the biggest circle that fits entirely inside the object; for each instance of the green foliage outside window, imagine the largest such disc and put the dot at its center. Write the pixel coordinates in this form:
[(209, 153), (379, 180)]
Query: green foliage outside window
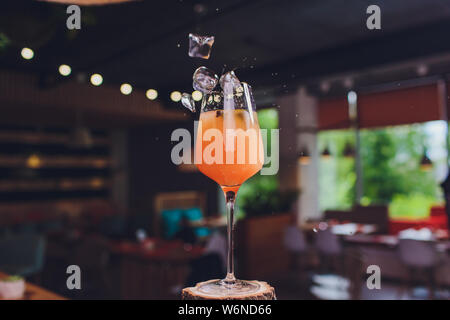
[(391, 171)]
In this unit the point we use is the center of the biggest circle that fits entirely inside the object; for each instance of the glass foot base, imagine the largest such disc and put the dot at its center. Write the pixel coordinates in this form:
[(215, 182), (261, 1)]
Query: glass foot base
[(223, 288)]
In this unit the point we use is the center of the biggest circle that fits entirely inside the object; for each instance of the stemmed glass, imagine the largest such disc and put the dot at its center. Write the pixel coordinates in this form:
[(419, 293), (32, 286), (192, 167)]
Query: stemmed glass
[(229, 150)]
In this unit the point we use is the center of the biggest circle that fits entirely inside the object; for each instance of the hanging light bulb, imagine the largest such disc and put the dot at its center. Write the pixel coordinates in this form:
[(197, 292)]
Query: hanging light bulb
[(303, 157), (349, 151), (175, 96), (425, 162), (326, 154), (151, 94), (64, 70), (27, 53), (126, 88), (96, 79)]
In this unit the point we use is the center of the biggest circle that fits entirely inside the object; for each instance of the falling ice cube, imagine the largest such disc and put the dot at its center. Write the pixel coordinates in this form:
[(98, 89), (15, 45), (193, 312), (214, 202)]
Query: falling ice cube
[(200, 46), (231, 81), (229, 77), (204, 80), (188, 101)]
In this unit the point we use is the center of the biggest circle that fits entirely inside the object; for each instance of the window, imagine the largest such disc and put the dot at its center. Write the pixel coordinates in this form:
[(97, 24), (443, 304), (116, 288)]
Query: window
[(391, 168)]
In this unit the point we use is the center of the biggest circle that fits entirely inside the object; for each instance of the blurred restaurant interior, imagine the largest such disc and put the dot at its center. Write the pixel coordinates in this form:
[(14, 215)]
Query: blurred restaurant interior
[(86, 176)]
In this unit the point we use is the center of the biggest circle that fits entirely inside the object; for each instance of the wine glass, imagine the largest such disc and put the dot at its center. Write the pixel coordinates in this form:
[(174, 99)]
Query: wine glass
[(229, 150)]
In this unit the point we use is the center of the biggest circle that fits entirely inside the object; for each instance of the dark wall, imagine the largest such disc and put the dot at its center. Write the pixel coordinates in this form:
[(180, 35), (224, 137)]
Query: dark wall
[(151, 169)]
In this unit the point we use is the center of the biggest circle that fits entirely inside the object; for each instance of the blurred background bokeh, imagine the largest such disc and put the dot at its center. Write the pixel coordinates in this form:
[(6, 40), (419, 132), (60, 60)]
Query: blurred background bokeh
[(86, 176)]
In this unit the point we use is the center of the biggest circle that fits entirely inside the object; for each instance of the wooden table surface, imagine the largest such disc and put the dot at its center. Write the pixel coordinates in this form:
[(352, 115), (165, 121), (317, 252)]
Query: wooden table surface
[(34, 292), (340, 229), (443, 243)]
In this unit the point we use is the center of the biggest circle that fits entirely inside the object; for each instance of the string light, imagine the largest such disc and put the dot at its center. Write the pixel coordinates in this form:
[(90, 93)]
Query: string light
[(425, 162), (126, 88), (27, 53), (175, 96), (326, 154), (64, 70), (197, 95), (151, 94), (303, 157), (96, 79)]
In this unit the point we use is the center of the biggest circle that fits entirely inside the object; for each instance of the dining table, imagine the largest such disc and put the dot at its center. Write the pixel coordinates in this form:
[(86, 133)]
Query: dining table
[(383, 250), (441, 237)]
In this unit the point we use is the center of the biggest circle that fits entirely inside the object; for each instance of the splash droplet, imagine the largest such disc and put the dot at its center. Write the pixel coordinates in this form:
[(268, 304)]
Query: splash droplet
[(188, 102)]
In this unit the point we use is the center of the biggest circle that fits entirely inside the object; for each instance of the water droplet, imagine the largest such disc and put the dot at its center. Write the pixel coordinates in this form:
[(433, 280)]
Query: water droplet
[(188, 102)]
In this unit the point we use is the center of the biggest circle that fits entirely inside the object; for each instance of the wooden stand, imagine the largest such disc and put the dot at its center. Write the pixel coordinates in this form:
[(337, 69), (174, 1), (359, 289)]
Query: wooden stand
[(265, 292)]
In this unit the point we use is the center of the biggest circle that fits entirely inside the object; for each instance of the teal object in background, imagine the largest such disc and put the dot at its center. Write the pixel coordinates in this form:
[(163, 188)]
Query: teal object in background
[(195, 214), (171, 221), (202, 231)]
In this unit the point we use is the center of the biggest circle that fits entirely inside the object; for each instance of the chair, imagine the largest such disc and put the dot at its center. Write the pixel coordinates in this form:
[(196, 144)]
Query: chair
[(295, 242), (419, 256), (329, 248), (92, 255), (22, 254), (341, 287), (328, 243)]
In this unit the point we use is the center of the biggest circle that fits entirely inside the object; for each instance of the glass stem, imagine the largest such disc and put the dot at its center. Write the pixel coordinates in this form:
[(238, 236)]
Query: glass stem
[(230, 198)]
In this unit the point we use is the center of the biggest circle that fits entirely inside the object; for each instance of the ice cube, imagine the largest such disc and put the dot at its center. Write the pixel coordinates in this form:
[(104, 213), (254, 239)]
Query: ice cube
[(231, 81), (204, 80), (188, 102), (231, 78), (200, 46)]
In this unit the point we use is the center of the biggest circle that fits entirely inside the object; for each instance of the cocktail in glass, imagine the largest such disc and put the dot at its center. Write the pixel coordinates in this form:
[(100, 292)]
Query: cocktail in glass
[(229, 150)]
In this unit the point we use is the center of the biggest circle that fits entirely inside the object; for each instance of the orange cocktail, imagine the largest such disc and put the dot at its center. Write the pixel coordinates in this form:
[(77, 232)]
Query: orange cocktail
[(229, 150), (229, 147)]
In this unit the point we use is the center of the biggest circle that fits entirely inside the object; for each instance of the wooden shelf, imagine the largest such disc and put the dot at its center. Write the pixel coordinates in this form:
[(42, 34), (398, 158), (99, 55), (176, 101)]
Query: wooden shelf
[(40, 138), (64, 184), (20, 161)]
